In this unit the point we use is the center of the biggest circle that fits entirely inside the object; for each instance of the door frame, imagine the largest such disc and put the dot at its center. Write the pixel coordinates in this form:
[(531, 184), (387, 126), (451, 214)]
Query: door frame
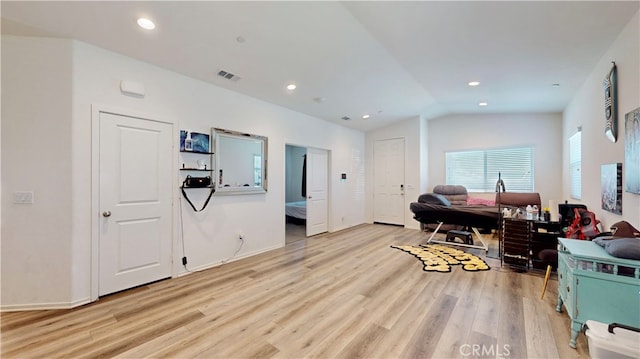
[(96, 109), (329, 185)]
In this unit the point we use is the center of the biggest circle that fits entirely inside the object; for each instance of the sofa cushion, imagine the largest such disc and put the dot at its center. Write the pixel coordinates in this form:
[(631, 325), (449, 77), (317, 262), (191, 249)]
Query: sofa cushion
[(434, 198), (456, 194)]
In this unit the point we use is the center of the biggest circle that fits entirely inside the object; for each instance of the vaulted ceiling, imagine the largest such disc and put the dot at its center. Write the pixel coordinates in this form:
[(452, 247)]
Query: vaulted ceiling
[(391, 60)]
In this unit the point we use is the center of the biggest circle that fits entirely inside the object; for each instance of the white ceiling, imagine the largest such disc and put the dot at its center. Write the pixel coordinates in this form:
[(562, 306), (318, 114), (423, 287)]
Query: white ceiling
[(393, 60)]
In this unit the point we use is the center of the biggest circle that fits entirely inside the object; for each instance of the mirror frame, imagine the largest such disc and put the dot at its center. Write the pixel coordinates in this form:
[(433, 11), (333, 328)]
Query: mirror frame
[(216, 134)]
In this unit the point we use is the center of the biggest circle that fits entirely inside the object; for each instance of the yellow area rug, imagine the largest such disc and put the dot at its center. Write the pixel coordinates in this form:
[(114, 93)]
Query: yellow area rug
[(439, 258)]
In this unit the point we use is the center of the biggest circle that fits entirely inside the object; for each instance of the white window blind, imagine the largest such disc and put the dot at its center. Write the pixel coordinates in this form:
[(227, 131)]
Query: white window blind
[(478, 170), (575, 164)]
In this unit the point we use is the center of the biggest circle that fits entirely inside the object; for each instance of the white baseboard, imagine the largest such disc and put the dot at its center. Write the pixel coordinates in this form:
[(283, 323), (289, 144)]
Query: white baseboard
[(44, 306), (217, 264)]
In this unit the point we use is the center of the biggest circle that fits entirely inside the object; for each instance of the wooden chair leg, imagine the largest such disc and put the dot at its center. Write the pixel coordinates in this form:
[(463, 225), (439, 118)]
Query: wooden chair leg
[(546, 280)]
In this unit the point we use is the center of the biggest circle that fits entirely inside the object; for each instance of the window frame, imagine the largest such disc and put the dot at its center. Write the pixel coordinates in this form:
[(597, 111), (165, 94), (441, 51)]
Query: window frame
[(575, 165)]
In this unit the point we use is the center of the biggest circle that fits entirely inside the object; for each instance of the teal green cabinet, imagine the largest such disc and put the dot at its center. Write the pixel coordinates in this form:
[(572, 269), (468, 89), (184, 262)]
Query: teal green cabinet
[(593, 285)]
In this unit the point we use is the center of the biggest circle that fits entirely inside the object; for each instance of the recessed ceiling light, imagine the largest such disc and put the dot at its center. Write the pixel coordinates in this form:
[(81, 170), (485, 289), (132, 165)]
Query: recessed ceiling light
[(483, 104), (364, 117), (473, 83), (146, 23), (291, 87)]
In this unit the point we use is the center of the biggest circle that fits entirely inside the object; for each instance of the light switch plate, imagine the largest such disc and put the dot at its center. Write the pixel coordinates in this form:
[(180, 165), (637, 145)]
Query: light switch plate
[(24, 197)]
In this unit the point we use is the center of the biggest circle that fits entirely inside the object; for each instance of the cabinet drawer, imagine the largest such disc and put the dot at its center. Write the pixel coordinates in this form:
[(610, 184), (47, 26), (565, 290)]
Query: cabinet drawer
[(519, 248), (565, 284), (515, 259)]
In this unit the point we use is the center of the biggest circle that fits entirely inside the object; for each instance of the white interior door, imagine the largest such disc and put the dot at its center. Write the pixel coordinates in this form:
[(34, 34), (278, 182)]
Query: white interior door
[(317, 188), (388, 177), (135, 202)]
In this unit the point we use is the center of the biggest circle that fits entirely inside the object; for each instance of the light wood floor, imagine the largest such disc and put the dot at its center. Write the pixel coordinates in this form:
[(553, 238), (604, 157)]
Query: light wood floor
[(340, 295), (295, 232)]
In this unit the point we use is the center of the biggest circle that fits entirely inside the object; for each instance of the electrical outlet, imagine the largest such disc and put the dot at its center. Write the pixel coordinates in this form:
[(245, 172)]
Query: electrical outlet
[(184, 261)]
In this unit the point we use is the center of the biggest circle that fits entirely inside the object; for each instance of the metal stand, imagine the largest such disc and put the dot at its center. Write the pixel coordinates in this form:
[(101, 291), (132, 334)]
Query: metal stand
[(484, 245), (500, 189)]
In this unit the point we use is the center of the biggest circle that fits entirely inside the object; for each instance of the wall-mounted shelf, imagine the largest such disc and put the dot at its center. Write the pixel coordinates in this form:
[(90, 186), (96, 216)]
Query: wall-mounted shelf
[(208, 166), (196, 161), (198, 153)]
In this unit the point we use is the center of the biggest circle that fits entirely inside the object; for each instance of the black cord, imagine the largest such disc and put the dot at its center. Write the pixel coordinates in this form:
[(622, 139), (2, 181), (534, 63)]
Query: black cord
[(184, 255)]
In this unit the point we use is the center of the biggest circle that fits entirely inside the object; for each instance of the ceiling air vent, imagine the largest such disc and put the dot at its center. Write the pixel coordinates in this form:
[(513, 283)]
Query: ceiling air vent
[(345, 118), (228, 75)]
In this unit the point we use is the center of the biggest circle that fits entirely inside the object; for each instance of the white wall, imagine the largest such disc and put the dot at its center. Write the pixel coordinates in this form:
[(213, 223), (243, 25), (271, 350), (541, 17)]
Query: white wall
[(587, 110), (36, 156), (413, 131), (468, 132), (47, 258)]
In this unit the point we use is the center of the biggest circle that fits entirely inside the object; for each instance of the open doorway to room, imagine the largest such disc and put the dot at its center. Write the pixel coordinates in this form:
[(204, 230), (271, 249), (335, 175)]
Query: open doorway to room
[(306, 192), (295, 196)]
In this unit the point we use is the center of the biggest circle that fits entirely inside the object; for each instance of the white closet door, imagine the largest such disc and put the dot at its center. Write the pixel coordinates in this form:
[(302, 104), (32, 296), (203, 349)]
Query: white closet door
[(389, 202), (135, 202)]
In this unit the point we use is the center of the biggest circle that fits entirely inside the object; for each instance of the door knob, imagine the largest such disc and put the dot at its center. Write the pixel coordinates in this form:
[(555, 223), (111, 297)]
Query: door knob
[(106, 214)]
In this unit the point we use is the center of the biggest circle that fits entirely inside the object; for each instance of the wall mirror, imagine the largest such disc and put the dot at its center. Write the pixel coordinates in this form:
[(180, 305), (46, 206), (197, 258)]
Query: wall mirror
[(241, 162)]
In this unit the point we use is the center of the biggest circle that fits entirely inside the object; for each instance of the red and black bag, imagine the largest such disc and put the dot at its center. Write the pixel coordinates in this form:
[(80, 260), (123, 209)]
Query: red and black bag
[(584, 225)]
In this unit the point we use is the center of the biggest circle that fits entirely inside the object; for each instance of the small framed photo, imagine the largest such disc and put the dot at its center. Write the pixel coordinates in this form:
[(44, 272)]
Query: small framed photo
[(194, 142)]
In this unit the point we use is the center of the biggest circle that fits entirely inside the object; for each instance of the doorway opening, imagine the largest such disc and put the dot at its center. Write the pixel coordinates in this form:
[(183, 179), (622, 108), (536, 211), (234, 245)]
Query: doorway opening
[(306, 189)]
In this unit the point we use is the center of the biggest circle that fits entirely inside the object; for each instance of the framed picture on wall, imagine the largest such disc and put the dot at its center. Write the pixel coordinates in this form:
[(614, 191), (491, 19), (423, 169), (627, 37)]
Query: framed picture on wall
[(632, 151), (194, 142), (611, 187)]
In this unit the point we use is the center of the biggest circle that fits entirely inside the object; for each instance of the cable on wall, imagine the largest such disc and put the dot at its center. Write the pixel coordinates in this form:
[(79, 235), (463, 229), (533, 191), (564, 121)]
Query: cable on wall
[(236, 253), (184, 255)]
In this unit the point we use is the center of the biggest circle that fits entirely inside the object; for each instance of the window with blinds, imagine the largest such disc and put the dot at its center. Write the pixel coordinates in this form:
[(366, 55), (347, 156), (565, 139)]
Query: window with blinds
[(478, 170), (575, 164)]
